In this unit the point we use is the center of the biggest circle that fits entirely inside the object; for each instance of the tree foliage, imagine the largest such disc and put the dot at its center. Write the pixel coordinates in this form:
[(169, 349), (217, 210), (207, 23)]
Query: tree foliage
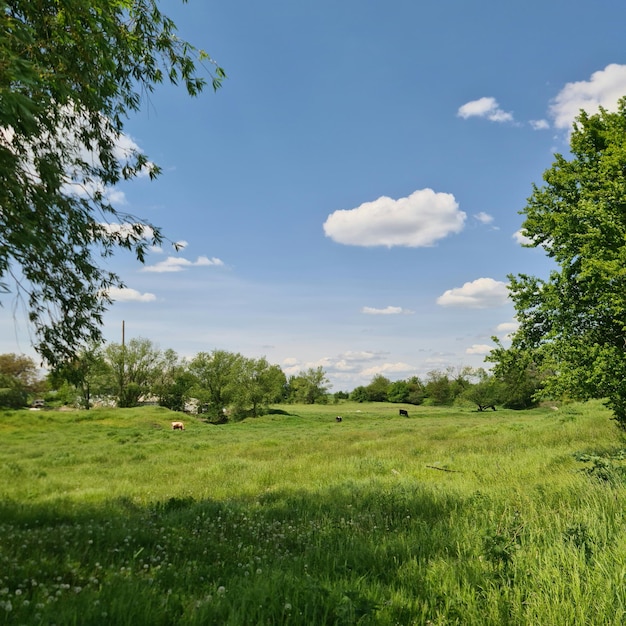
[(486, 392), (258, 385), (87, 372), (22, 369), (519, 375), (574, 322), (173, 382), (309, 386), (215, 376), (19, 378), (134, 367), (71, 71)]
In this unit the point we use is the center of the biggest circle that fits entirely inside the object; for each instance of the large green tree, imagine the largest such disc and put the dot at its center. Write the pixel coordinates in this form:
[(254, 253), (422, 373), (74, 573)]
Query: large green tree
[(88, 373), (309, 386), (71, 71), (258, 385), (574, 322), (135, 367), (216, 375), (19, 377)]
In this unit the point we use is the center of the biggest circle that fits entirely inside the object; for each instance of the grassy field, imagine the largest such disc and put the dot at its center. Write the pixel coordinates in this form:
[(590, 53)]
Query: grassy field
[(447, 517)]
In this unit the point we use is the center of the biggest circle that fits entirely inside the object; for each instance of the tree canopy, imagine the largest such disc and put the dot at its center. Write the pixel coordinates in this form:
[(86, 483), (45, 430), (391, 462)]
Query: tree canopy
[(574, 322), (71, 71)]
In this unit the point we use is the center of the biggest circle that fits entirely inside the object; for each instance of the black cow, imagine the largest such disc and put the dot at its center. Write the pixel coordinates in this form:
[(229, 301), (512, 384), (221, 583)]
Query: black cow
[(404, 413), (339, 418)]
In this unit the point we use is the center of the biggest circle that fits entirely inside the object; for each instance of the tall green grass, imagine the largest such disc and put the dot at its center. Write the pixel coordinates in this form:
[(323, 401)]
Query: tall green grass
[(447, 517)]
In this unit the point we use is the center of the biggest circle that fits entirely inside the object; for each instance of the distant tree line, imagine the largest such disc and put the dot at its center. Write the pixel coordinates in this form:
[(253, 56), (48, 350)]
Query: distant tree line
[(226, 386), (513, 384), (221, 385)]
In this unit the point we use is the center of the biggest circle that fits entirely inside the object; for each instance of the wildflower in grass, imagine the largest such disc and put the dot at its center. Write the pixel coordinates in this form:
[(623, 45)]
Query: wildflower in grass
[(287, 607), (221, 591)]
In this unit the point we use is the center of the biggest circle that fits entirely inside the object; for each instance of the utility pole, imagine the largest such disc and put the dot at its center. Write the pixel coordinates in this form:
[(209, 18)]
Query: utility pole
[(123, 372)]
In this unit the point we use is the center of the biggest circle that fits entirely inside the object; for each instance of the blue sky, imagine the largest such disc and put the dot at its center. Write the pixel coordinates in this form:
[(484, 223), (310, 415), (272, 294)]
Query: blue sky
[(350, 197)]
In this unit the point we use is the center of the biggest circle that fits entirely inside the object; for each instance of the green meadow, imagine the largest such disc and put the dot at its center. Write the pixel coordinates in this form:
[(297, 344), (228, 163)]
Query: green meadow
[(448, 517)]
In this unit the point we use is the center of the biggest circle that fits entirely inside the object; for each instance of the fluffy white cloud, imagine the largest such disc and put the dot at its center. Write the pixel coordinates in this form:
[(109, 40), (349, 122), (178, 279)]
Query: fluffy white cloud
[(484, 218), (345, 365), (419, 220), (125, 230), (359, 356), (387, 368), (539, 124), (522, 239), (486, 107), (481, 293), (479, 348), (178, 264), (129, 295), (604, 88), (507, 328), (390, 310)]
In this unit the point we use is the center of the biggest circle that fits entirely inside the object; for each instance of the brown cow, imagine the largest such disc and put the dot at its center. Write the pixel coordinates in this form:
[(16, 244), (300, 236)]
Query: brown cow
[(178, 426)]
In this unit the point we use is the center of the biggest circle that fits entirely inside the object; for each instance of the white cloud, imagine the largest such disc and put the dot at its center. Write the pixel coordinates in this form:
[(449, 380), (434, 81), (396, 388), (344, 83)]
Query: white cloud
[(390, 310), (129, 295), (349, 364), (539, 124), (178, 264), (522, 239), (125, 230), (484, 218), (507, 328), (387, 368), (419, 220), (604, 88), (486, 107), (359, 356), (479, 348), (481, 293)]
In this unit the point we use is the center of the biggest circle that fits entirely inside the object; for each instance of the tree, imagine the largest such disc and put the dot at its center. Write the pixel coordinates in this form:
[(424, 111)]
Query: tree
[(173, 381), (359, 394), (309, 386), (416, 391), (519, 375), (378, 388), (574, 322), (485, 393), (23, 370), (134, 366), (19, 377), (215, 376), (258, 385), (438, 387), (399, 391), (72, 72), (88, 373)]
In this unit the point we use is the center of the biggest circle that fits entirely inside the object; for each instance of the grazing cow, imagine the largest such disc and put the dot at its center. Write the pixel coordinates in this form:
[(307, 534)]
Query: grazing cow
[(178, 426), (339, 418), (404, 413)]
